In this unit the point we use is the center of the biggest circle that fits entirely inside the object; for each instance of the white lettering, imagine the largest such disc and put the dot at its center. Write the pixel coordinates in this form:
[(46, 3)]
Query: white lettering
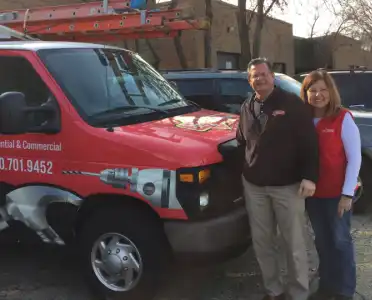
[(26, 145), (43, 147), (328, 130), (26, 165), (7, 144)]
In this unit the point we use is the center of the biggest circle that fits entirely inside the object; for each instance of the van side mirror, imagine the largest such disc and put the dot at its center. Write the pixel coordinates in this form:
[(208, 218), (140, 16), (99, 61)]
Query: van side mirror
[(13, 113), (18, 118)]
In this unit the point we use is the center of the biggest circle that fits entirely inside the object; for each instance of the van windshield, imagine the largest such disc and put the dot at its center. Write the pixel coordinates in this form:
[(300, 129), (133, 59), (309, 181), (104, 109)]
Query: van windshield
[(111, 83)]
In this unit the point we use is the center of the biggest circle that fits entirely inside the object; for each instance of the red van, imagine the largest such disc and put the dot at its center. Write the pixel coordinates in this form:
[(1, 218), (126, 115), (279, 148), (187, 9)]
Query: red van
[(98, 150)]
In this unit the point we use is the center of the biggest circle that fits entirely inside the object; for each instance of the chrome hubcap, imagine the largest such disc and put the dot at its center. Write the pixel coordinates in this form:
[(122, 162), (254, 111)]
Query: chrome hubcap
[(116, 262)]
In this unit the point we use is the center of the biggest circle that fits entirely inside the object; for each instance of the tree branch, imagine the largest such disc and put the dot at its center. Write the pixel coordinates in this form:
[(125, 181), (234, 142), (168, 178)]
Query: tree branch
[(273, 2)]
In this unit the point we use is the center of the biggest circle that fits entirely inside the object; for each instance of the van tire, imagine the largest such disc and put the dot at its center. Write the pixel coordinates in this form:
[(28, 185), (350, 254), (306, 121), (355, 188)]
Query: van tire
[(138, 227), (365, 201)]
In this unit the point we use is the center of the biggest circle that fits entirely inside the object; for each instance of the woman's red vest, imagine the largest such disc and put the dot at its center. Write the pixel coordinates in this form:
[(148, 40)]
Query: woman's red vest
[(331, 156)]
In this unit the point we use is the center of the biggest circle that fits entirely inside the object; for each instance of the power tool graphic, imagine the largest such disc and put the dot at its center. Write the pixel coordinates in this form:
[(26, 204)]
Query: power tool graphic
[(155, 185)]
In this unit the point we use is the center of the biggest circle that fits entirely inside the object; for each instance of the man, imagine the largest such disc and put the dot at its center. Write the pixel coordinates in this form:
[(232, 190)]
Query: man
[(280, 171)]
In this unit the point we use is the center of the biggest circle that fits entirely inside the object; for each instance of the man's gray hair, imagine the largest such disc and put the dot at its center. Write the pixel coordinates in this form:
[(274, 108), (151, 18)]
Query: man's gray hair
[(259, 61)]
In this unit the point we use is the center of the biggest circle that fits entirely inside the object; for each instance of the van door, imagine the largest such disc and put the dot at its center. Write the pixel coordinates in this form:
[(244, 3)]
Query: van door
[(34, 157)]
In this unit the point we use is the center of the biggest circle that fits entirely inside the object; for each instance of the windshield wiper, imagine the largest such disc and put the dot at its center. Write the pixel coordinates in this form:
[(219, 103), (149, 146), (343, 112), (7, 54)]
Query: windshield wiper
[(176, 101), (123, 109), (193, 103), (172, 101)]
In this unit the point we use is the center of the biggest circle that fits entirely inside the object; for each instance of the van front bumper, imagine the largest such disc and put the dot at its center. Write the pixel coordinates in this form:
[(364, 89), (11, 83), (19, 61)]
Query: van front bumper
[(224, 236)]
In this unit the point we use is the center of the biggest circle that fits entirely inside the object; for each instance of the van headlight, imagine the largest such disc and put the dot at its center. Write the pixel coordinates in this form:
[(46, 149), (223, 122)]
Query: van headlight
[(204, 200)]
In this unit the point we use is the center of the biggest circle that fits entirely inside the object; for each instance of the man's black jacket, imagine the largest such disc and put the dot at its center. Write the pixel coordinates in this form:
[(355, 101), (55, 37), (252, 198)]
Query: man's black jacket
[(287, 151)]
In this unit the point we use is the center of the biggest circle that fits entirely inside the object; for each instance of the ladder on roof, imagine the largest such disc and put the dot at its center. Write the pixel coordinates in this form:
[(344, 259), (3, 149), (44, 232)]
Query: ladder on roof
[(101, 21)]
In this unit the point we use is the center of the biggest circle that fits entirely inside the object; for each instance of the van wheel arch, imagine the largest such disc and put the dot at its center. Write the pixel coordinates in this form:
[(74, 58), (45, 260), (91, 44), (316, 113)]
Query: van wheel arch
[(130, 218), (95, 202)]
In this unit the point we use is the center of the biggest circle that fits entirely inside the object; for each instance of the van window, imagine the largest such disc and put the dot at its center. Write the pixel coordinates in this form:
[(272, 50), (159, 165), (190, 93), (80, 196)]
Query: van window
[(235, 87), (345, 83), (201, 91), (195, 87), (233, 92), (364, 83), (18, 75), (102, 82)]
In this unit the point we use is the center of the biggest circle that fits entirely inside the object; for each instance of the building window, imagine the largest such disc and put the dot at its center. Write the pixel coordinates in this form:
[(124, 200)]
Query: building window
[(279, 67), (228, 60)]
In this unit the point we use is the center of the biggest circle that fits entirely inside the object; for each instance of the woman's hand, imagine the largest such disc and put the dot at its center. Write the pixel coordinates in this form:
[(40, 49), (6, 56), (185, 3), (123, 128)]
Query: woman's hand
[(344, 205)]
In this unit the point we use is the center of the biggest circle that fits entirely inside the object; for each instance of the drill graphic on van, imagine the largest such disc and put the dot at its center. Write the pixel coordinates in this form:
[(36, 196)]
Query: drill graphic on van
[(155, 185)]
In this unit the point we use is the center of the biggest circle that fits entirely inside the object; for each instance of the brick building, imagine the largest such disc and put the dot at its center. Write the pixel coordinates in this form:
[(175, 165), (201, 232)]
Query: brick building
[(277, 38), (334, 51)]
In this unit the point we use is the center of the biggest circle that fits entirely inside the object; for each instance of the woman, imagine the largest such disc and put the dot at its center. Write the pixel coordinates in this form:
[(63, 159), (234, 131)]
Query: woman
[(329, 209)]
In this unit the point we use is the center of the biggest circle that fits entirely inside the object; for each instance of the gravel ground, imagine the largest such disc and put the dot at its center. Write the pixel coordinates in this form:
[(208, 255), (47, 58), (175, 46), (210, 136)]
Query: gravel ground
[(45, 274)]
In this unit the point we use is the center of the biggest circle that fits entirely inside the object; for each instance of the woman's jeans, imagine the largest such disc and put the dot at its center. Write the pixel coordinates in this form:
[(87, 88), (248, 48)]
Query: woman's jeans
[(334, 245)]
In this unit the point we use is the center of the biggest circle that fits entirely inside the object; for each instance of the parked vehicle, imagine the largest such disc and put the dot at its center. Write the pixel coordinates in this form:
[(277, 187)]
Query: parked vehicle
[(221, 90), (355, 87), (226, 90), (98, 149)]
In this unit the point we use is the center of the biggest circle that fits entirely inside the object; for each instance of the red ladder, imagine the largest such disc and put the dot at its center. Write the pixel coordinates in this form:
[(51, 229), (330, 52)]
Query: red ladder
[(107, 20)]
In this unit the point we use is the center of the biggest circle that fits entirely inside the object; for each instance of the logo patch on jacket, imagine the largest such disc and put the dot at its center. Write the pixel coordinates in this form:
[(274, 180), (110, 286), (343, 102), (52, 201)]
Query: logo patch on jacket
[(278, 113)]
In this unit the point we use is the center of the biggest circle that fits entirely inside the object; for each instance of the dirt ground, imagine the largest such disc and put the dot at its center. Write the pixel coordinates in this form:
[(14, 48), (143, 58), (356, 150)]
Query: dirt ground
[(41, 274)]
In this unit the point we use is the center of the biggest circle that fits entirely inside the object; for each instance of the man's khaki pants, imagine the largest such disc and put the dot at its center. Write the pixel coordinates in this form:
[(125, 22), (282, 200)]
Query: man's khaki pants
[(268, 208)]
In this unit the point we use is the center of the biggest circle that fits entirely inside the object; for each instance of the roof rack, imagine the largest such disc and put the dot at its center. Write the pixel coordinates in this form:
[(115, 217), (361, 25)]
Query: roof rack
[(352, 69), (9, 33), (106, 20), (188, 70)]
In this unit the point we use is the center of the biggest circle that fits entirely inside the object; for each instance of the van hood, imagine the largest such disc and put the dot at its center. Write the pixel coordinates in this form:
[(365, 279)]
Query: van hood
[(187, 139), (204, 125)]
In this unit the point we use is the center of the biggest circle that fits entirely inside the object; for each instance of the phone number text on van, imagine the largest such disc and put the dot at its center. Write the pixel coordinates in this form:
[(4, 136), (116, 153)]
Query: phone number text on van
[(26, 165)]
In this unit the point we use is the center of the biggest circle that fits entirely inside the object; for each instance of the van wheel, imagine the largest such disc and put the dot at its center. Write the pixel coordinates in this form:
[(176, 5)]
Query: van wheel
[(124, 253), (363, 194)]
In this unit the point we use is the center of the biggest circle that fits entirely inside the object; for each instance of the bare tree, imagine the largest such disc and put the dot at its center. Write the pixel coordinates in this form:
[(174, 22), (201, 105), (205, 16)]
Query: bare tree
[(264, 7), (314, 20), (316, 10), (358, 14), (156, 62), (243, 27), (260, 10), (177, 43), (323, 42), (208, 35)]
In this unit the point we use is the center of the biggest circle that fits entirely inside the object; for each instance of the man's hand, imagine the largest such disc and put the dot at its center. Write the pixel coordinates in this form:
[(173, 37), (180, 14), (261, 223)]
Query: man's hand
[(307, 188), (344, 205)]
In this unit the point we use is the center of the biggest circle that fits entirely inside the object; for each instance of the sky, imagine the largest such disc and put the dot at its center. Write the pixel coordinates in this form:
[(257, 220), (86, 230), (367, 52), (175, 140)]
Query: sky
[(302, 13)]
